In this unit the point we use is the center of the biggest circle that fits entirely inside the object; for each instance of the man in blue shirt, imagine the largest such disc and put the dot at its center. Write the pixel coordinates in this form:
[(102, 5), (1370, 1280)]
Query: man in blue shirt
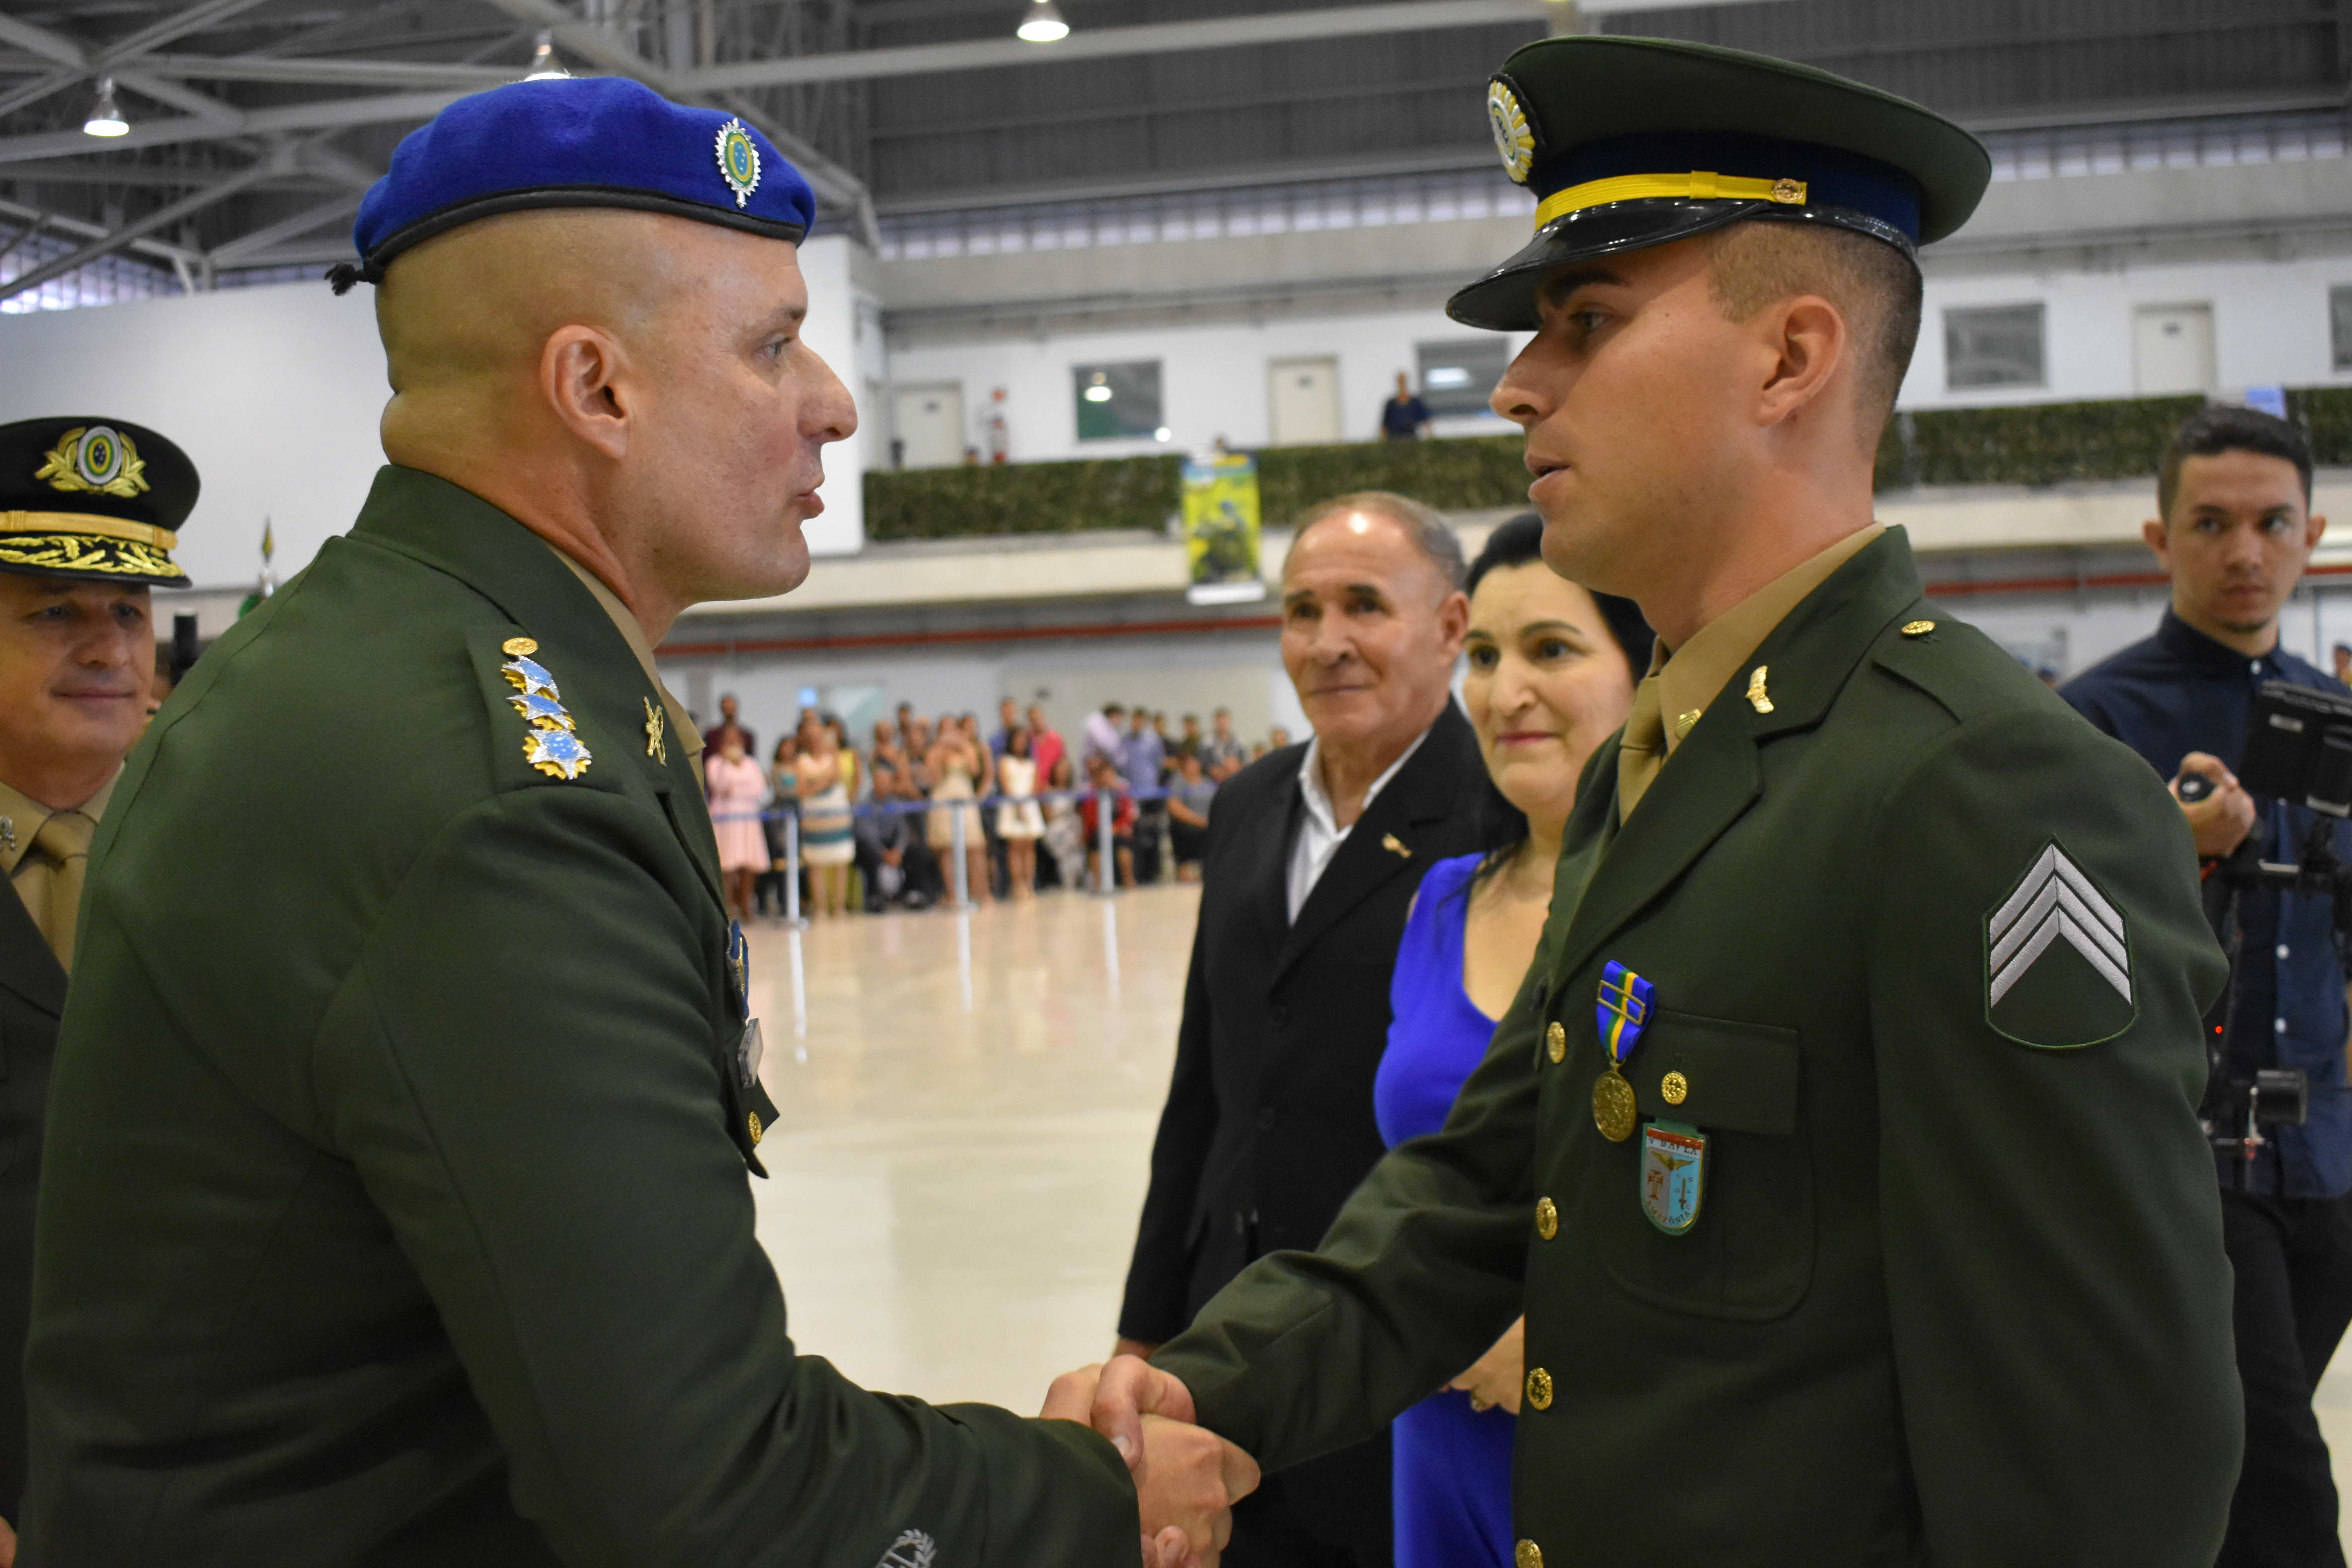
[(2235, 533), (1144, 753), (1404, 417)]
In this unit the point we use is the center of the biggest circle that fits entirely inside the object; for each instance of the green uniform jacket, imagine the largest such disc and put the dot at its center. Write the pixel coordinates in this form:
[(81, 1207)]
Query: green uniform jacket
[(1955, 1291), (395, 1208)]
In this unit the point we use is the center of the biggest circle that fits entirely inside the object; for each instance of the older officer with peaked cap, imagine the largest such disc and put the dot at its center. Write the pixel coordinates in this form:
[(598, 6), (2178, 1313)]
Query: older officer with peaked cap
[(1842, 1144), (89, 510), (396, 1210)]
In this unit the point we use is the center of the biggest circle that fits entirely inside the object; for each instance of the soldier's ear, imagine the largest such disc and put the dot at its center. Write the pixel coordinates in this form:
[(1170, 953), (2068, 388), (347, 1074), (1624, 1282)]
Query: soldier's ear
[(2153, 533), (580, 377)]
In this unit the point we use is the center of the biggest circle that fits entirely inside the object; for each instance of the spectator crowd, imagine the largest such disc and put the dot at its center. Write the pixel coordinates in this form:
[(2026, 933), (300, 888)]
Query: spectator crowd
[(879, 828)]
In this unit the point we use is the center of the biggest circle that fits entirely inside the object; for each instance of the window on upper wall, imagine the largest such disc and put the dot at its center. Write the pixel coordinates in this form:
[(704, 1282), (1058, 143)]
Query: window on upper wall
[(1458, 376), (1993, 345), (2339, 324), (1119, 402)]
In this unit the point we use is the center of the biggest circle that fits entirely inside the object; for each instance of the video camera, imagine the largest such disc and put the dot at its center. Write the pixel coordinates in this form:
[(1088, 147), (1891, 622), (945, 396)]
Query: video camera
[(2298, 749)]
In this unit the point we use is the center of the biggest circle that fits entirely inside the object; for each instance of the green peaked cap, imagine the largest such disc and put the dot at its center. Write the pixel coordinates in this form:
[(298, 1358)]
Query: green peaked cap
[(1631, 142)]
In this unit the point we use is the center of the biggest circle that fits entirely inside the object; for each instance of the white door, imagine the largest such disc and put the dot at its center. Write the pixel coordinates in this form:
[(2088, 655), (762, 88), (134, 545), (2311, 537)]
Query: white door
[(2172, 349), (1302, 397), (930, 423)]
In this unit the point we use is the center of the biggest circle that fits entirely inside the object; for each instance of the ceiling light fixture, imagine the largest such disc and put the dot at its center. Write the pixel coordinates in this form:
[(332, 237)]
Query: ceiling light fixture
[(105, 115), (543, 64), (1043, 24)]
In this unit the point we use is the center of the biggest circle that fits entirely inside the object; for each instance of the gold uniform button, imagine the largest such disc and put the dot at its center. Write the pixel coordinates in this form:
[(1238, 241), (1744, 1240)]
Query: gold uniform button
[(519, 647), (1556, 1043), (1674, 1087), (752, 1123), (1918, 628), (1538, 1389), (1547, 1218), (1527, 1554)]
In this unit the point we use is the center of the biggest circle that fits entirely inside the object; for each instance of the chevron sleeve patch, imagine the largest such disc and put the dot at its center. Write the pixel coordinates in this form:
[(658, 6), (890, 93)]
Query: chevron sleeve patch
[(2058, 963)]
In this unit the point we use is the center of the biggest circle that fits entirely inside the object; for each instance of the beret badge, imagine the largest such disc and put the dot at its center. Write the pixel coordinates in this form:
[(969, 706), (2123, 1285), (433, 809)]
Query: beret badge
[(1515, 139), (739, 159), (97, 459)]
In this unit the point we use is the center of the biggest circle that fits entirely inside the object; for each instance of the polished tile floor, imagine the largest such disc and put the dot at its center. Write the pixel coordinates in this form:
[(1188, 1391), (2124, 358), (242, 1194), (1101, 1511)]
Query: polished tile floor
[(966, 1110)]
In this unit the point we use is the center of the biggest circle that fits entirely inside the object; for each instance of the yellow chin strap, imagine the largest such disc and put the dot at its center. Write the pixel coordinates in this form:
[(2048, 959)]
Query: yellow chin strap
[(1699, 184)]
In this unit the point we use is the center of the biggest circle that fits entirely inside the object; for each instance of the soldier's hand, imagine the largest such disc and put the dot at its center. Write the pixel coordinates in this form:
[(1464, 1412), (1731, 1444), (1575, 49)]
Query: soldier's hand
[(1496, 1377), (7, 1545), (1119, 1395), (2222, 819), (1189, 1481)]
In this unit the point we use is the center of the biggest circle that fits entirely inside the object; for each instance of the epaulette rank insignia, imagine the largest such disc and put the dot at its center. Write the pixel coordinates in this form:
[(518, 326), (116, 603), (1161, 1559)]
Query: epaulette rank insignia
[(551, 744)]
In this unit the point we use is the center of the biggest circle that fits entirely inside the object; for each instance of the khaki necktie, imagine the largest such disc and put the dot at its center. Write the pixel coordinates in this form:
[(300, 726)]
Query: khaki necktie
[(1642, 750), (50, 879)]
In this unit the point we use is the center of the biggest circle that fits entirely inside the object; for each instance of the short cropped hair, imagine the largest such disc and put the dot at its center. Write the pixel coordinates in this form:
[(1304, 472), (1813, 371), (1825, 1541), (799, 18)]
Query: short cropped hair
[(1423, 523), (1875, 287), (2219, 428)]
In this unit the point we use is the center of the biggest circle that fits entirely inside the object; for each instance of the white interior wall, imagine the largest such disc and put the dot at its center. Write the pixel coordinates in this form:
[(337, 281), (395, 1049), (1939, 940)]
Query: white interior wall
[(2270, 323), (1213, 378), (275, 394)]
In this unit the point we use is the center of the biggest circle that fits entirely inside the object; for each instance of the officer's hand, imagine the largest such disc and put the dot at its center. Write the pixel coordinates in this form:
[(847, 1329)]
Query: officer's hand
[(1189, 1481), (1125, 1346), (2222, 819), (7, 1545), (1117, 1398), (1496, 1378)]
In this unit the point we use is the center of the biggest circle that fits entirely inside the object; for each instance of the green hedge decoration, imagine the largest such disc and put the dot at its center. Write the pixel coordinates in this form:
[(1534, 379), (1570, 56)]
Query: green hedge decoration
[(2022, 443), (1022, 498)]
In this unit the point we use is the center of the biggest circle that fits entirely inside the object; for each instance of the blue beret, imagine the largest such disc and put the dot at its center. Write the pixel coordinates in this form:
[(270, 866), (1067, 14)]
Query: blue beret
[(588, 142)]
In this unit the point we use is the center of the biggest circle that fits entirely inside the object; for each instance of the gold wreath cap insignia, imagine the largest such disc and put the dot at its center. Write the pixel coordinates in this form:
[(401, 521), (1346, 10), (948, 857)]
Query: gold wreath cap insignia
[(95, 459)]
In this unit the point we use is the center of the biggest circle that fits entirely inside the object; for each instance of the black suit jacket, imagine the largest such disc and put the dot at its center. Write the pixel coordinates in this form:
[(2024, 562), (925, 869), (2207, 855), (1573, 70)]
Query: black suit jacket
[(32, 997), (1268, 1125)]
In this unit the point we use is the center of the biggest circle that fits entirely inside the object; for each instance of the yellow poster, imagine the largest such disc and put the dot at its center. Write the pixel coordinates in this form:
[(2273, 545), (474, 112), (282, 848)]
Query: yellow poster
[(1221, 523)]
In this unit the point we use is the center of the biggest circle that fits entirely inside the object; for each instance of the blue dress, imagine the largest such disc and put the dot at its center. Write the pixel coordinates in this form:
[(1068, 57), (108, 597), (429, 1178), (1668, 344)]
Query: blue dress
[(1452, 1465)]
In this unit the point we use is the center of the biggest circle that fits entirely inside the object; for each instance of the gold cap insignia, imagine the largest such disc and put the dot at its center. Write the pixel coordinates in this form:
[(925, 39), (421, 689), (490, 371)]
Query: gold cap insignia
[(1514, 138), (739, 159), (96, 458)]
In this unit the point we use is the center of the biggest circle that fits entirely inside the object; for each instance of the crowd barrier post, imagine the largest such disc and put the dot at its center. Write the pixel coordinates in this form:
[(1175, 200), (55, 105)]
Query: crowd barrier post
[(1106, 883), (793, 872), (962, 874)]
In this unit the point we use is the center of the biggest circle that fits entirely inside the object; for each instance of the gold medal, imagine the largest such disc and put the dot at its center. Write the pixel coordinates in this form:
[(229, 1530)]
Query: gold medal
[(1612, 1105)]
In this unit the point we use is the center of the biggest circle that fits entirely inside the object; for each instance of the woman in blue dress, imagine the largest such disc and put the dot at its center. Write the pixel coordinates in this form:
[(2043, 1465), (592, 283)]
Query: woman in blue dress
[(1552, 676)]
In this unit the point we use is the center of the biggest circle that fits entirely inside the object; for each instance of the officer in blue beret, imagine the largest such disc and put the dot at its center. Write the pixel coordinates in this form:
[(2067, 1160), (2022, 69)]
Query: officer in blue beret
[(402, 1218), (1839, 1147)]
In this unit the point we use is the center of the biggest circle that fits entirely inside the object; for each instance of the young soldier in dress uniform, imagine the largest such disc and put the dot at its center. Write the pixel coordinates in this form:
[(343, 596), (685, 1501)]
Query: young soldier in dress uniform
[(89, 507), (397, 1208), (1841, 1145)]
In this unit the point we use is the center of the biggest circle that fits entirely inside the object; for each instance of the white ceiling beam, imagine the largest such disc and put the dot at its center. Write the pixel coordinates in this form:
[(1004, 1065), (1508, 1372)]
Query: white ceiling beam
[(161, 218), (233, 252), (1105, 43)]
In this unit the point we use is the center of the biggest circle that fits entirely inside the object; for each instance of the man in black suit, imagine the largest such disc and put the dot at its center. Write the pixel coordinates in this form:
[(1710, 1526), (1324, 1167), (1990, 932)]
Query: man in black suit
[(96, 504), (1314, 853)]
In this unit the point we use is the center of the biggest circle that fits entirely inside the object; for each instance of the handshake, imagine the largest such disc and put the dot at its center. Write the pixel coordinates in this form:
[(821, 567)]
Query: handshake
[(1187, 1479)]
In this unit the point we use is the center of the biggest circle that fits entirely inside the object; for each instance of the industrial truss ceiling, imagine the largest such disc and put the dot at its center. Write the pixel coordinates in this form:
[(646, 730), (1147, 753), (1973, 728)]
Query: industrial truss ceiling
[(255, 124)]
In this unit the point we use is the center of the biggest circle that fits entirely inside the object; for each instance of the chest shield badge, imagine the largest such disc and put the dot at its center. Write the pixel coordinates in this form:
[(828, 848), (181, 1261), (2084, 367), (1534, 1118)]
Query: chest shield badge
[(1674, 1176)]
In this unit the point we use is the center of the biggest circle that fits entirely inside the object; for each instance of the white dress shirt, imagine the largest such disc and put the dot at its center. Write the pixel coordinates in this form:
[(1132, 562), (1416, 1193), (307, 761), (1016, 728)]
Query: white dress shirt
[(1320, 833)]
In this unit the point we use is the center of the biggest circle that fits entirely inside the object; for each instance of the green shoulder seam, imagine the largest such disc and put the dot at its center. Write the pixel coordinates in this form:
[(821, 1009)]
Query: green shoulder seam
[(1964, 671)]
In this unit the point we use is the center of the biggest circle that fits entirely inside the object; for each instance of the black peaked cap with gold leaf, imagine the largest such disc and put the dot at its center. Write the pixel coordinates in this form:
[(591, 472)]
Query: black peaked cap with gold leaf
[(93, 499)]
